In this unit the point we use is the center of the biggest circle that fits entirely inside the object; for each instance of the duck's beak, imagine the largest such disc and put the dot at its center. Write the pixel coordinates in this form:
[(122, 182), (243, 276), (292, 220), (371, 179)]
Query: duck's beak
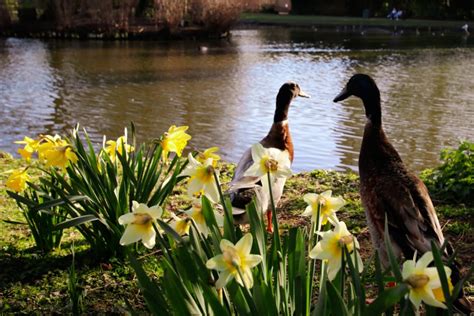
[(344, 94), (303, 94)]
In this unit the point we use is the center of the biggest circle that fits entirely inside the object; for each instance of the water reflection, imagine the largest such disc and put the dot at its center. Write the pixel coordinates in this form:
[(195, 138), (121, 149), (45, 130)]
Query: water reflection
[(227, 95)]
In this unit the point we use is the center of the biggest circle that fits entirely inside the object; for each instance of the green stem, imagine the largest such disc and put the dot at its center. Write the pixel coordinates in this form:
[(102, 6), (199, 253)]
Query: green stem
[(227, 213), (311, 263), (219, 189), (276, 232)]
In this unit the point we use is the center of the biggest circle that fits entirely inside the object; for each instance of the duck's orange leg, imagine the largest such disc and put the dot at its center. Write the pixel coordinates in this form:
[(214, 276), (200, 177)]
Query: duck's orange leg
[(269, 222)]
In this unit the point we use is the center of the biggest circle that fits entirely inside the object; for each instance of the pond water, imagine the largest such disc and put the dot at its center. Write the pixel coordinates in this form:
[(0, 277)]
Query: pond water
[(226, 94)]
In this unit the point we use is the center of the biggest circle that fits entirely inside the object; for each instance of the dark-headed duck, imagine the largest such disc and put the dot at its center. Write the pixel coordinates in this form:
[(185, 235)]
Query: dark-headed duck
[(388, 189)]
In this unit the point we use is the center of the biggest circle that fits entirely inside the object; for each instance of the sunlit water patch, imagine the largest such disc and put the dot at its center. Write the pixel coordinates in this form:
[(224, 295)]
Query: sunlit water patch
[(227, 94)]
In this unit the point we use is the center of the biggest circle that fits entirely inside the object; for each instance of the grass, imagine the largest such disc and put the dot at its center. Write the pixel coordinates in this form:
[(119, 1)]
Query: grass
[(31, 282), (316, 20)]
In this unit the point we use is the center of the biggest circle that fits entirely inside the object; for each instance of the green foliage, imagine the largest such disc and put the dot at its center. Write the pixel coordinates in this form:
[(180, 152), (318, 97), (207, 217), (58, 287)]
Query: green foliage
[(96, 190), (285, 282), (75, 290), (453, 180), (42, 223)]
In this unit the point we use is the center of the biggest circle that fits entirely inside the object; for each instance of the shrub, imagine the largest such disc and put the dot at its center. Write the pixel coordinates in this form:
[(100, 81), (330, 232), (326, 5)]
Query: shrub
[(453, 180)]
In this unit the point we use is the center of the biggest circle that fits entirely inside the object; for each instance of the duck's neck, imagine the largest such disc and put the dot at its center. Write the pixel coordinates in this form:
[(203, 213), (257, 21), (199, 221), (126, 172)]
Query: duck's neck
[(373, 110), (281, 111)]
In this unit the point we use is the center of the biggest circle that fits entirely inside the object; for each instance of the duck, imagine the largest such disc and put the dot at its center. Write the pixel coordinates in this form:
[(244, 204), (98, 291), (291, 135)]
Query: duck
[(389, 190), (243, 189)]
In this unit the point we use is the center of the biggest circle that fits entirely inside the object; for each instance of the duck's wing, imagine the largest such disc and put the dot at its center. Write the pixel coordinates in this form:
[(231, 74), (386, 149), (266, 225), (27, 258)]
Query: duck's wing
[(412, 220), (240, 181)]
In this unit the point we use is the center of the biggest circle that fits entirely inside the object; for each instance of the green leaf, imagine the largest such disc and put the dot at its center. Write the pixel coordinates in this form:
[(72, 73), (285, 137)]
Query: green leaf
[(76, 221), (14, 222), (387, 299), (170, 231), (442, 275), (61, 201), (21, 199), (391, 256), (153, 295), (321, 305), (338, 306), (359, 287)]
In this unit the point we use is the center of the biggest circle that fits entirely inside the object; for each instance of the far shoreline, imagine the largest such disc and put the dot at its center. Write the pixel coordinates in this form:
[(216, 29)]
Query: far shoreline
[(340, 23)]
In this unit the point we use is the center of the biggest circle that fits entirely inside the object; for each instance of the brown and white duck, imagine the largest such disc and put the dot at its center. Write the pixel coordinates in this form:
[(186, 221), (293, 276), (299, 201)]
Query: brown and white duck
[(244, 188), (389, 189)]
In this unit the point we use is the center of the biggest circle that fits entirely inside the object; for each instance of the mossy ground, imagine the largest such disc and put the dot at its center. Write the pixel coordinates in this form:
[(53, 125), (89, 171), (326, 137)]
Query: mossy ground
[(32, 282)]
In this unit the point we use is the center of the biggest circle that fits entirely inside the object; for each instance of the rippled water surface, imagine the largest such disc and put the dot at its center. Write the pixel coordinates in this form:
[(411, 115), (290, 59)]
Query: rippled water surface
[(227, 93)]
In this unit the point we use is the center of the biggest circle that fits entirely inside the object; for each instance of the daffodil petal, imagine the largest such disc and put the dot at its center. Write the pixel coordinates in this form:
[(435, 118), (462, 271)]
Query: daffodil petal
[(135, 206), (425, 260), (333, 268), (224, 278), (131, 235), (244, 245), (126, 218), (415, 298), (149, 239), (253, 170), (253, 260), (155, 211), (257, 151), (310, 198), (326, 194), (308, 211), (408, 268), (224, 244), (216, 263), (212, 192)]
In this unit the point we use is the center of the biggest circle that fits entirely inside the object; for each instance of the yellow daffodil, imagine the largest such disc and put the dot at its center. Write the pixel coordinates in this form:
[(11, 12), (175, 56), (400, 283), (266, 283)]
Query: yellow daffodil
[(31, 145), (175, 140), (330, 248), (209, 154), (329, 206), (113, 147), (180, 225), (140, 224), (17, 180), (46, 143), (195, 212), (56, 152), (234, 262), (201, 179), (423, 281), (269, 160)]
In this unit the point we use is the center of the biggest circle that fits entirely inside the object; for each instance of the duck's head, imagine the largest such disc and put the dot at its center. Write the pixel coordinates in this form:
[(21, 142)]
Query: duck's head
[(287, 93), (360, 85), (364, 87)]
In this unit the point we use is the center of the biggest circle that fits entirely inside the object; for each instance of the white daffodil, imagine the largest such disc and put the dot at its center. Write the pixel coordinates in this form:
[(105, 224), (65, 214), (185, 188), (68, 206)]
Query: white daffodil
[(424, 282), (195, 212), (201, 179), (140, 224), (329, 206), (180, 225), (235, 261), (269, 160), (331, 245)]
